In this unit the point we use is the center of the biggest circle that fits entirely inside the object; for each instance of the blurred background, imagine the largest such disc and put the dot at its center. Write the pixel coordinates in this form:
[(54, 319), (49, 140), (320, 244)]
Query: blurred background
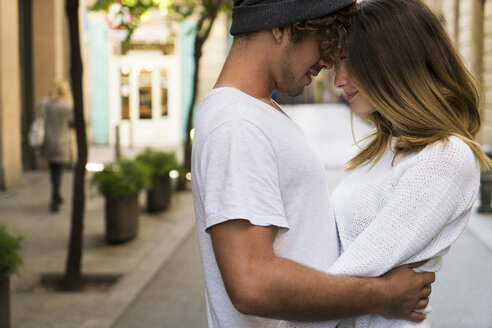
[(147, 64), (145, 86)]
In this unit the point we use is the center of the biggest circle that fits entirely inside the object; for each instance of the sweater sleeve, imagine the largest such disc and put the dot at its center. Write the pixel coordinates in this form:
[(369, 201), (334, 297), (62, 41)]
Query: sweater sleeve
[(425, 213)]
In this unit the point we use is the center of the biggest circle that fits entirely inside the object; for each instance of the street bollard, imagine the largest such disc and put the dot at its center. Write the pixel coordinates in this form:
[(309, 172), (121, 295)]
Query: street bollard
[(117, 146), (486, 187)]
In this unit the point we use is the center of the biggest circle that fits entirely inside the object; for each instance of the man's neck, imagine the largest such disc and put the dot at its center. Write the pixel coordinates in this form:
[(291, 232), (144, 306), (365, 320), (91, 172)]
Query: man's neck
[(246, 69)]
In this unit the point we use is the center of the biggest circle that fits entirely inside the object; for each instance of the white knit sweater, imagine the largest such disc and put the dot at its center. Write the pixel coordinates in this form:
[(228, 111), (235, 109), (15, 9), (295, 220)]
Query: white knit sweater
[(402, 212)]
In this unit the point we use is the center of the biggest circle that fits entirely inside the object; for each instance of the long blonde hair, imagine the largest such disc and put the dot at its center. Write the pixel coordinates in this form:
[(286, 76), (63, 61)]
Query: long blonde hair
[(406, 66)]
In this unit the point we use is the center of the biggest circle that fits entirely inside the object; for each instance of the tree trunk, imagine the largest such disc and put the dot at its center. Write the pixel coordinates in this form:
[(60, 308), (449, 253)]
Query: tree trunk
[(204, 26), (189, 122), (72, 278)]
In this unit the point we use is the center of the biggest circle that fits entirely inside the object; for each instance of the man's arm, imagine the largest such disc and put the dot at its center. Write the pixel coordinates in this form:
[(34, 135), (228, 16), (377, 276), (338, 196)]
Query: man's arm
[(260, 283)]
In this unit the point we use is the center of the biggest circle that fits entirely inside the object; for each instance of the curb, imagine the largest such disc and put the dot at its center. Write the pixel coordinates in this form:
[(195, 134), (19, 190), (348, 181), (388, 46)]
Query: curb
[(129, 287)]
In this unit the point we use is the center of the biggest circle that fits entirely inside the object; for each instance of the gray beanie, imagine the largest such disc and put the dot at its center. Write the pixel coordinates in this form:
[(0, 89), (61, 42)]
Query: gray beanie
[(257, 15)]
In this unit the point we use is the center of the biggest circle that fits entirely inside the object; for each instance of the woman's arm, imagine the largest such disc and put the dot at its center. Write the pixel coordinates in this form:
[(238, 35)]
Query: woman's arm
[(425, 213)]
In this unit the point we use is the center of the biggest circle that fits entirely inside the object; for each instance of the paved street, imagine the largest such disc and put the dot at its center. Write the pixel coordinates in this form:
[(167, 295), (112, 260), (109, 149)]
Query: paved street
[(175, 297), (462, 295)]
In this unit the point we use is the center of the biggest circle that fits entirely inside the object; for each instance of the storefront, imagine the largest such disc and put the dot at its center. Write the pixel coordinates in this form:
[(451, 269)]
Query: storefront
[(144, 99), (135, 88)]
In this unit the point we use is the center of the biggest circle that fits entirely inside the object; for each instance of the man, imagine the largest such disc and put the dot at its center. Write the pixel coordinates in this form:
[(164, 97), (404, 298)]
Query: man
[(266, 228)]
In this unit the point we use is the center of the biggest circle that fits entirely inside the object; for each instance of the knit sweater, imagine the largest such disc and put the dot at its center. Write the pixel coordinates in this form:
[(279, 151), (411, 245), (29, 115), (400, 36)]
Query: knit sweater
[(403, 211)]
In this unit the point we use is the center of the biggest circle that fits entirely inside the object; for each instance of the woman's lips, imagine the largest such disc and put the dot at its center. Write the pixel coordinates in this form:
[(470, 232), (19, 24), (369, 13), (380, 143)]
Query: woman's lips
[(350, 95)]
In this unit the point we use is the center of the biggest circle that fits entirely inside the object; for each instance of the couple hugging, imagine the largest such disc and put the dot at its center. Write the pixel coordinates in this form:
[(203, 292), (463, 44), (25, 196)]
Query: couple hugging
[(278, 250)]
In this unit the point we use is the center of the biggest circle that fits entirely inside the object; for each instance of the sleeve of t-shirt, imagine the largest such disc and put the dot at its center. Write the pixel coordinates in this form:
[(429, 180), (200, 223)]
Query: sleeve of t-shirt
[(416, 223), (239, 175)]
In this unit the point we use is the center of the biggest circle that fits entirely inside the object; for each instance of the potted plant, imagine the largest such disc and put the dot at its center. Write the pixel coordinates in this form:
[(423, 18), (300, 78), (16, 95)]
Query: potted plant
[(159, 164), (10, 261), (120, 183)]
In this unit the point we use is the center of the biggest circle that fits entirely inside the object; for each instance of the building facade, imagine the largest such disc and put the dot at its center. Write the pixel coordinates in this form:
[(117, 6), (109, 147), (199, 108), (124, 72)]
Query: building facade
[(10, 96), (145, 92), (469, 24), (140, 91)]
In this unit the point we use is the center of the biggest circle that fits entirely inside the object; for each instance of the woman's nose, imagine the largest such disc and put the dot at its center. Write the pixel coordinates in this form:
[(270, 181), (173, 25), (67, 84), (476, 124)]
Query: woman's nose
[(340, 77)]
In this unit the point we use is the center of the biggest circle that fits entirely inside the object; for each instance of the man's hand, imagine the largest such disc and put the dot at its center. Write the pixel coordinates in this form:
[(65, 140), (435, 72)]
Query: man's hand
[(406, 292)]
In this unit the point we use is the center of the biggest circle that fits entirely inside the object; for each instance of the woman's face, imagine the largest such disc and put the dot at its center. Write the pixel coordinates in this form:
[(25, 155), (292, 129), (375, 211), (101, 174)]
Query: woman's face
[(358, 103)]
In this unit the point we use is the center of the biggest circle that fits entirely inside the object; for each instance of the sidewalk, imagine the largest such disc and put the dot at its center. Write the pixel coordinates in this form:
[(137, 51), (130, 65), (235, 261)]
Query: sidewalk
[(25, 210)]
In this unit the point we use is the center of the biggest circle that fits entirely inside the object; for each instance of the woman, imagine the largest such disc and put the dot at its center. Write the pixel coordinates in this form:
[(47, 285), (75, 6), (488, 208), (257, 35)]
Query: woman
[(409, 191), (58, 114)]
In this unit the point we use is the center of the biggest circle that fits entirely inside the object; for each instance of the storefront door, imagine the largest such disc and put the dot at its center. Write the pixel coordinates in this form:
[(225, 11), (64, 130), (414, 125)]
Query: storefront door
[(144, 100)]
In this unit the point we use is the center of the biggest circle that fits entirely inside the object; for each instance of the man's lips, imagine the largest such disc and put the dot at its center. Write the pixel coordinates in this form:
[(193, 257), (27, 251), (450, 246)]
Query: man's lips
[(351, 95), (309, 79), (312, 73)]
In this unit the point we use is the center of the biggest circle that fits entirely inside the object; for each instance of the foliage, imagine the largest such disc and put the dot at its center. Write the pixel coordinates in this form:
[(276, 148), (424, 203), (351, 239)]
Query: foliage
[(158, 162), (10, 256), (128, 14), (121, 178)]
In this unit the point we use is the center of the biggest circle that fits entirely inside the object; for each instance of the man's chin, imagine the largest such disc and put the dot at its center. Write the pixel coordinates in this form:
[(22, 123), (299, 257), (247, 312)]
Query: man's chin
[(291, 89), (295, 93)]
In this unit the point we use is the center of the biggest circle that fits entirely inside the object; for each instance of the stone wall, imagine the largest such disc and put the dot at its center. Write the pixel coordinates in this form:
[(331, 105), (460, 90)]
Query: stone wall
[(10, 100), (469, 23)]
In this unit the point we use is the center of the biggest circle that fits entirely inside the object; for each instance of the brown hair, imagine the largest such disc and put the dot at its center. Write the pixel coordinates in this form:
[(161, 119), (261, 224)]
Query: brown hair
[(406, 66), (331, 29)]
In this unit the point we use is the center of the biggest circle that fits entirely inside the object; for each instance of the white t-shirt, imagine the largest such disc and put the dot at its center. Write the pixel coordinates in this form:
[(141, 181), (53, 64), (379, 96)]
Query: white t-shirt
[(403, 212), (252, 162)]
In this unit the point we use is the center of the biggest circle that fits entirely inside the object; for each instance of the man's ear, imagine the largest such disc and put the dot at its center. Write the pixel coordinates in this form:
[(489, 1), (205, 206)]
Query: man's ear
[(279, 34)]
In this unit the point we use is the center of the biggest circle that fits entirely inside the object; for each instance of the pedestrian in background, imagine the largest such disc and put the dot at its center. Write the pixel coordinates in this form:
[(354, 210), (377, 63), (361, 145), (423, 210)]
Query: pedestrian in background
[(57, 110), (409, 192)]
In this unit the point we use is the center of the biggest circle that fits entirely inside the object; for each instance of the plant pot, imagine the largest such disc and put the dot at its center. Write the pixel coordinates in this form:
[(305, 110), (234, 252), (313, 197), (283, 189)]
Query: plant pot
[(121, 218), (5, 300), (159, 196)]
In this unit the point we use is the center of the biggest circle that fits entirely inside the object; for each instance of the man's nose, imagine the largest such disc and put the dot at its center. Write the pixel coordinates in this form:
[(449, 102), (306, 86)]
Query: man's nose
[(325, 63)]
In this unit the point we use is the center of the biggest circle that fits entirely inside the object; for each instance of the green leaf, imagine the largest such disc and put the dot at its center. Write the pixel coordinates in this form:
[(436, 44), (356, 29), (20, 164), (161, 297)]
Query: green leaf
[(10, 256), (121, 178), (158, 162), (101, 5)]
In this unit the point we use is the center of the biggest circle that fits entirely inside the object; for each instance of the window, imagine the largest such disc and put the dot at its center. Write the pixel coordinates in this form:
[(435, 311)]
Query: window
[(145, 94), (164, 87), (125, 93)]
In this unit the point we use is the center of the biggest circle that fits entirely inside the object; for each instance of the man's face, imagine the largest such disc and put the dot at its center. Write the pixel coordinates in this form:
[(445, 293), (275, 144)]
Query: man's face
[(299, 62)]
